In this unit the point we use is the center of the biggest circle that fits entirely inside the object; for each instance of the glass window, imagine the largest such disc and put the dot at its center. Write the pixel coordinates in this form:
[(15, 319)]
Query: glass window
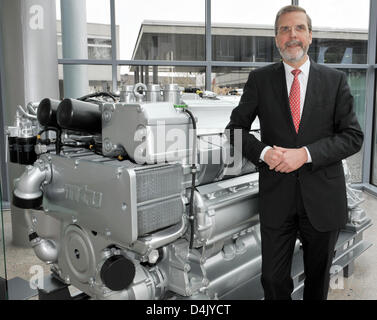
[(374, 145), (185, 77), (95, 27), (3, 273), (99, 77), (243, 30), (160, 30), (357, 82), (229, 80), (340, 32)]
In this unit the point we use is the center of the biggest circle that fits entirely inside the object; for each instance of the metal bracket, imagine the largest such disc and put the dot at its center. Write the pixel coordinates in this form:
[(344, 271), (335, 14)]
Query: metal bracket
[(54, 289)]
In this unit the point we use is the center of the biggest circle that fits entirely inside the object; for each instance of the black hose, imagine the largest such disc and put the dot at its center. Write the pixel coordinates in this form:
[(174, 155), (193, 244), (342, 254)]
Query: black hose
[(58, 137), (193, 173), (48, 129), (98, 94)]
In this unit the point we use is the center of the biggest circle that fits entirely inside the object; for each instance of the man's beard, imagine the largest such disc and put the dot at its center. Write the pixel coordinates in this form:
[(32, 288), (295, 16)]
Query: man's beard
[(293, 57)]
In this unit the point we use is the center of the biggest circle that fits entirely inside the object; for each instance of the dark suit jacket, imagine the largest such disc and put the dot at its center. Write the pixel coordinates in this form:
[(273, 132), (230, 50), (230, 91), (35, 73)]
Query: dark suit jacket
[(328, 128)]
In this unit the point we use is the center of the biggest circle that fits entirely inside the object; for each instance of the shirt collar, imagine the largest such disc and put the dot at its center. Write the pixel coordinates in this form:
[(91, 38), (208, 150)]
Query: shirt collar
[(304, 68)]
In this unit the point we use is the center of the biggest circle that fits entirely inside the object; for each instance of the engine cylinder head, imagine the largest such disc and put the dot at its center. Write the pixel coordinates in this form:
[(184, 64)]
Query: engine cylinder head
[(79, 116)]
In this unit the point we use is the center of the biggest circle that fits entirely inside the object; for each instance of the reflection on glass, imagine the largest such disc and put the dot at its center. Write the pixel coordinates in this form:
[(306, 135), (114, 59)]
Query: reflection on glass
[(185, 77), (99, 78), (95, 26), (161, 30)]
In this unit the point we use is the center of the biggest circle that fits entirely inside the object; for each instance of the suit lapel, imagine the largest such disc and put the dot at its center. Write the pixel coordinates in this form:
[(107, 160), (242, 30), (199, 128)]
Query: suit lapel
[(313, 91), (281, 91)]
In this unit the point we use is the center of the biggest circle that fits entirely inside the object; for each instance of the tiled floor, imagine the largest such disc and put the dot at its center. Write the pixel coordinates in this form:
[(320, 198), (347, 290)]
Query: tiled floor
[(362, 285), (21, 262)]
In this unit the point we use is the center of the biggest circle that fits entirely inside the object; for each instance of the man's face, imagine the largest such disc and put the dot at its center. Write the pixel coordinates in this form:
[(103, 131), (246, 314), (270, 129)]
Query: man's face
[(293, 37)]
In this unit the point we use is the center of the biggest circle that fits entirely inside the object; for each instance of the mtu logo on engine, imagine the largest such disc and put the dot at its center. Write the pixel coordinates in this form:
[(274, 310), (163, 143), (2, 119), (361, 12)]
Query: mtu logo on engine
[(83, 195)]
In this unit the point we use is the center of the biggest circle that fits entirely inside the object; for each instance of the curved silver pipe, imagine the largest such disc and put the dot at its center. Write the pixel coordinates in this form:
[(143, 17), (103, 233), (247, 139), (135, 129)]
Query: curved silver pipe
[(159, 239), (24, 113), (28, 186), (32, 107), (45, 249)]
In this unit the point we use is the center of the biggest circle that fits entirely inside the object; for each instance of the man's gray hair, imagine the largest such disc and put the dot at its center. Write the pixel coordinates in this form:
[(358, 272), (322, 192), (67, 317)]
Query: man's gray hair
[(287, 9)]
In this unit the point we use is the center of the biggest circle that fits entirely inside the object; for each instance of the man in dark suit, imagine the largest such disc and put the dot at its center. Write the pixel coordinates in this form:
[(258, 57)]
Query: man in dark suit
[(307, 127)]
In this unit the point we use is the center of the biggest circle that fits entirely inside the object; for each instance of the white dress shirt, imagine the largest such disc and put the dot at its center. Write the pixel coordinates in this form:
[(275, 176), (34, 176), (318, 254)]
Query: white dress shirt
[(303, 79)]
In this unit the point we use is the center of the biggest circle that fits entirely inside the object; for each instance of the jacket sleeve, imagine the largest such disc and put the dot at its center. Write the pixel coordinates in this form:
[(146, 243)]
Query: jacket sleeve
[(347, 137), (241, 119)]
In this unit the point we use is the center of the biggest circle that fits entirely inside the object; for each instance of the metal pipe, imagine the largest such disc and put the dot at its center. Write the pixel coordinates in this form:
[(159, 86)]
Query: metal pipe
[(28, 185), (32, 107), (24, 113), (162, 238), (45, 249)]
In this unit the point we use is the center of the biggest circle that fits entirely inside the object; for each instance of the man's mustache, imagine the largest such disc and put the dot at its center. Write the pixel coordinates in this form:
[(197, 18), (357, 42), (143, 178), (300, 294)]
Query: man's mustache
[(293, 43)]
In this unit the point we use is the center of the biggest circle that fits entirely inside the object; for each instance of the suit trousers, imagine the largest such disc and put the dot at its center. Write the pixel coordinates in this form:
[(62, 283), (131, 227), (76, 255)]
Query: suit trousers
[(277, 252)]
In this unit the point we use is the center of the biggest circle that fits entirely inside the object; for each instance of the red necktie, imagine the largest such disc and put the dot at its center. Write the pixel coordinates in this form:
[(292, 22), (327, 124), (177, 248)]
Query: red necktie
[(294, 99)]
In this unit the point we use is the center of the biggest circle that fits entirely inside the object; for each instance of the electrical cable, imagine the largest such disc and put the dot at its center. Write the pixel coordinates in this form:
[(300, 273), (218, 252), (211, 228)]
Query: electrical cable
[(98, 94), (58, 138), (193, 173)]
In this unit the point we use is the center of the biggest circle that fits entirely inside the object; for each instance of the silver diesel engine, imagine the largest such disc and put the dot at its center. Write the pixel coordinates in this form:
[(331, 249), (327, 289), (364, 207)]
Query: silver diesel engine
[(150, 200)]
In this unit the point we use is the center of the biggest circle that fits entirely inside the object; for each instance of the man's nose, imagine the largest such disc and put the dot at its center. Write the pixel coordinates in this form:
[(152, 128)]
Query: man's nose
[(292, 32)]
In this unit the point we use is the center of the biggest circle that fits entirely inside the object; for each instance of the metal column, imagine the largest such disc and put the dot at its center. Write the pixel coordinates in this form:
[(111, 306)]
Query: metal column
[(114, 66), (370, 93), (208, 37), (75, 46), (4, 172)]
